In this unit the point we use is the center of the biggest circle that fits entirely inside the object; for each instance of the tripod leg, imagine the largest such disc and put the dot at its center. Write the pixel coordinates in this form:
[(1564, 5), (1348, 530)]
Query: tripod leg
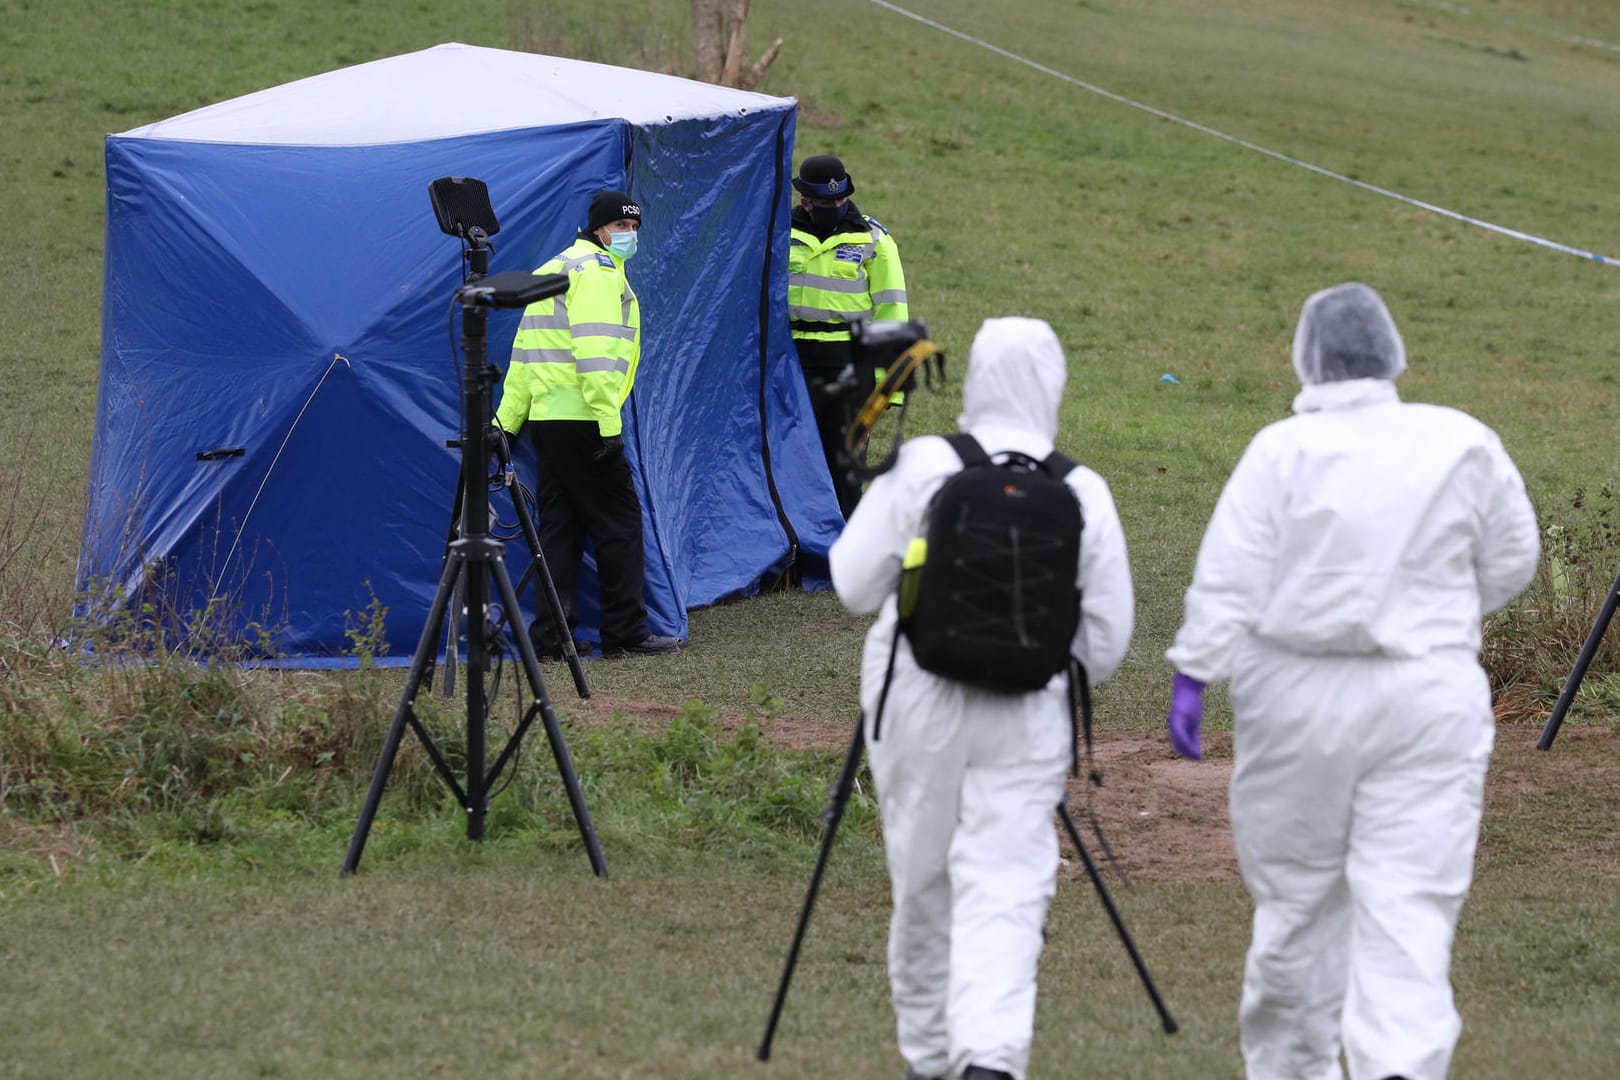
[(835, 814), (1169, 1022), (402, 714), (539, 567), (1582, 662), (451, 657), (448, 683), (559, 748)]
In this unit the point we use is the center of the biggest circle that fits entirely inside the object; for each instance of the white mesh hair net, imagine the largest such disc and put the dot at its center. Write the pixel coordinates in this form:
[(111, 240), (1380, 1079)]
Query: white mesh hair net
[(1344, 333)]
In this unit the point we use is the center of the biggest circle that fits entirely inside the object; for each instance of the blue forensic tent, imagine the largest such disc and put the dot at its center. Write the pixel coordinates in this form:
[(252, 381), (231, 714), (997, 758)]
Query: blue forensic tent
[(279, 369)]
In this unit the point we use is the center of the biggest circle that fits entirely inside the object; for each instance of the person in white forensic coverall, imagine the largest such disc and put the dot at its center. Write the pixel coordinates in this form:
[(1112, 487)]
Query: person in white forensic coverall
[(968, 780), (1340, 587)]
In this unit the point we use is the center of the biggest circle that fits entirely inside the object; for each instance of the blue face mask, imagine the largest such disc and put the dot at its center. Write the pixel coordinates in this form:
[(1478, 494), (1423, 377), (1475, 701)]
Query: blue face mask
[(623, 243)]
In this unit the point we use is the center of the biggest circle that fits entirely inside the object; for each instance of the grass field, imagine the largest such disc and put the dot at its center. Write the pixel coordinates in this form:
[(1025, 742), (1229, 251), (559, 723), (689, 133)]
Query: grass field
[(213, 936)]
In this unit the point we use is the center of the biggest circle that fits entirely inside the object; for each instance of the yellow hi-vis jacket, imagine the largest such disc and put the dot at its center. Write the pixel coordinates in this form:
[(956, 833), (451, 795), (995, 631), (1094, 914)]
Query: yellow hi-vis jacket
[(575, 354), (853, 274)]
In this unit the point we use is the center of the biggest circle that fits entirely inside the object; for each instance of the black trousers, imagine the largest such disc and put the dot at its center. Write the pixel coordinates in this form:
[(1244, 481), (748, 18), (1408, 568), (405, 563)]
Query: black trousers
[(822, 362), (581, 497)]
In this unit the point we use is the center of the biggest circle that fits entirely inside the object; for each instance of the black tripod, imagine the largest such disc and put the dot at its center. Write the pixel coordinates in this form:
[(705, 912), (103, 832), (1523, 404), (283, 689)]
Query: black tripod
[(835, 814), (1582, 662), (475, 560), (536, 570)]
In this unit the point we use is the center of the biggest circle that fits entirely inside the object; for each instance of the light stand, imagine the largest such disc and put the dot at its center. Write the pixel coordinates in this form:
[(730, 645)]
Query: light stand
[(1582, 662), (474, 561)]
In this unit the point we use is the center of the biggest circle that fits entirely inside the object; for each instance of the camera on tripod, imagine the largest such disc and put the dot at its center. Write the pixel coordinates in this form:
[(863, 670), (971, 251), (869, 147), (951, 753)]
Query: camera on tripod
[(876, 346), (896, 349)]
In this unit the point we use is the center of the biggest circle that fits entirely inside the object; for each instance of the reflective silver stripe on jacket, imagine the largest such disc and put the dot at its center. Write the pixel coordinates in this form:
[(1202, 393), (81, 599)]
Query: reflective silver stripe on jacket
[(815, 314), (558, 320), (889, 296), (542, 356), (604, 329), (578, 261), (830, 284), (604, 363)]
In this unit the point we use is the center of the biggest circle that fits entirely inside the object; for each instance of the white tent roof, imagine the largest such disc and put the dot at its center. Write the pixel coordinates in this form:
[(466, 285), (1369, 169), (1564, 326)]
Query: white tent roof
[(450, 90)]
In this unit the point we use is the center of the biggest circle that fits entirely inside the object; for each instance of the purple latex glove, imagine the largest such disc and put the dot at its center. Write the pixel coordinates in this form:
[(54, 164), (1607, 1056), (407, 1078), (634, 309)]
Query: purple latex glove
[(1186, 716)]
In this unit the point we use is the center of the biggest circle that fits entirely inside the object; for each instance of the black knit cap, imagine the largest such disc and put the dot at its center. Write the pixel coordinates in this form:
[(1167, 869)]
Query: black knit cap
[(823, 177), (610, 206)]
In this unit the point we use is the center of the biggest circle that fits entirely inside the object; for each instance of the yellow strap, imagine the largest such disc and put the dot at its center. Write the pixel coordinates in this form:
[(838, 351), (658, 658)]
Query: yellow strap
[(899, 371)]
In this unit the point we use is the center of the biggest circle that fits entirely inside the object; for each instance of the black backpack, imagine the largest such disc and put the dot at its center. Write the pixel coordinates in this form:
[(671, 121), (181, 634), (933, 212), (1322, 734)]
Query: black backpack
[(991, 600)]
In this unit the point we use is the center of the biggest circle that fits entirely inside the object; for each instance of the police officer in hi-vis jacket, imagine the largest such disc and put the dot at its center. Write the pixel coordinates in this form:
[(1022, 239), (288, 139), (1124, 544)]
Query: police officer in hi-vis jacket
[(843, 267), (573, 365)]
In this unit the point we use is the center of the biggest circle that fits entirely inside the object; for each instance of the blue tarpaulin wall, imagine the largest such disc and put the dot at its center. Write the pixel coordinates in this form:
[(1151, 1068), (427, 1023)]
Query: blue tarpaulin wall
[(279, 382)]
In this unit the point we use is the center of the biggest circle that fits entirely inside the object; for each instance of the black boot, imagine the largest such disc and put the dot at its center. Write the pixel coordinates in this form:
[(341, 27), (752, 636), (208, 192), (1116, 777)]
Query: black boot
[(651, 645), (979, 1072)]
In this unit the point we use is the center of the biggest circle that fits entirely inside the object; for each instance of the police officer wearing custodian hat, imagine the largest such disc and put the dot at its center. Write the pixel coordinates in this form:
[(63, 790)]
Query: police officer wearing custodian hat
[(843, 267)]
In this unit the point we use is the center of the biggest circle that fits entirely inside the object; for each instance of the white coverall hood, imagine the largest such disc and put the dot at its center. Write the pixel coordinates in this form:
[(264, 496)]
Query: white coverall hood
[(1347, 333), (1015, 377)]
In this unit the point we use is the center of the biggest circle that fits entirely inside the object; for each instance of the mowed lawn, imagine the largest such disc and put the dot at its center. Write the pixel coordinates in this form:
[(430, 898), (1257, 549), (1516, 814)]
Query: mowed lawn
[(1155, 249)]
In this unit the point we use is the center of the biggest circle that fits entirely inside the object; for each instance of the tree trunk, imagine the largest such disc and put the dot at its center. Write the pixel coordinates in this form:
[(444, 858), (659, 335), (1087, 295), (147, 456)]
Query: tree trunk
[(708, 38), (720, 42)]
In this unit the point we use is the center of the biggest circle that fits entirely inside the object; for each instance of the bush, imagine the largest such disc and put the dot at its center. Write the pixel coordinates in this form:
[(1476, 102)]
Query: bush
[(119, 757), (83, 741), (1532, 644)]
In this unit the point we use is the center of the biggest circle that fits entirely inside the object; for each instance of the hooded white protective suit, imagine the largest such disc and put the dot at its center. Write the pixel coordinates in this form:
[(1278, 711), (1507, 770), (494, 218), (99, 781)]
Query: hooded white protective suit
[(968, 780), (1340, 586)]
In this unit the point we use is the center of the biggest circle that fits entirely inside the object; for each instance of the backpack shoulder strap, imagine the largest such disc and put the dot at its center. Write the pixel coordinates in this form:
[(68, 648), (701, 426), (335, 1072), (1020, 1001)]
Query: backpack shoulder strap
[(1058, 465), (968, 449)]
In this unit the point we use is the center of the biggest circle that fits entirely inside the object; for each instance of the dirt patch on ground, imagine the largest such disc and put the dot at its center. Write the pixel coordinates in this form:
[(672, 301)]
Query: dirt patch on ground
[(648, 717), (1164, 817)]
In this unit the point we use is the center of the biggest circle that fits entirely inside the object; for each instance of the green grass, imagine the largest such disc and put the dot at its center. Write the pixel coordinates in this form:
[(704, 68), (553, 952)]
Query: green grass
[(511, 964), (209, 933)]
